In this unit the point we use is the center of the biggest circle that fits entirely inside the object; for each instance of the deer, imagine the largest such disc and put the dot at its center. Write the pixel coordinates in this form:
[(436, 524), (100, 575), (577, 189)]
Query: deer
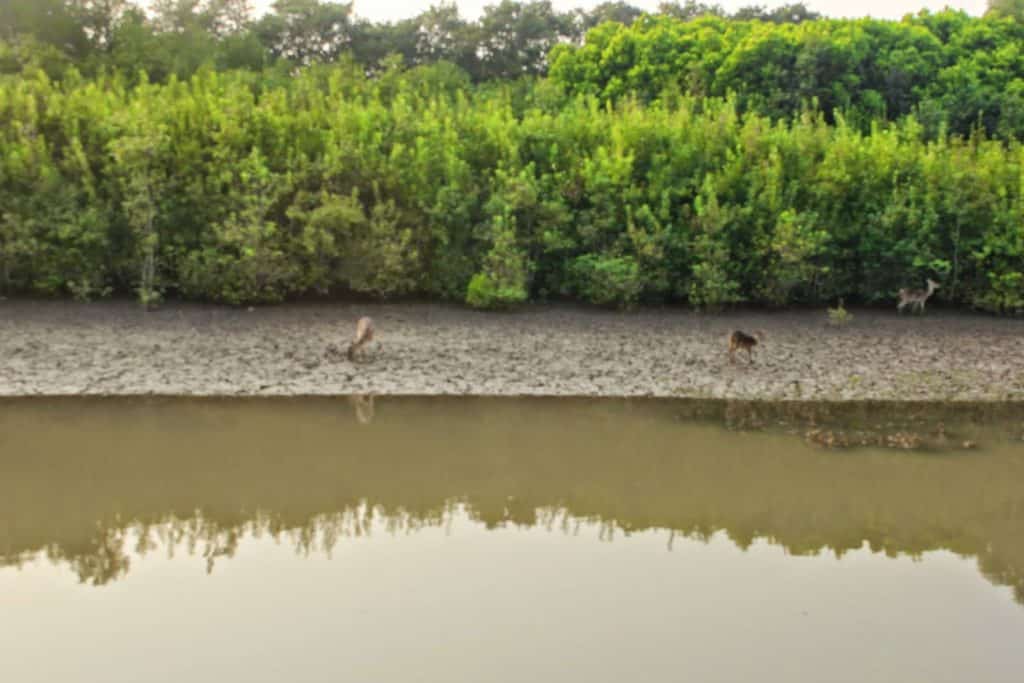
[(364, 335), (916, 297), (742, 340)]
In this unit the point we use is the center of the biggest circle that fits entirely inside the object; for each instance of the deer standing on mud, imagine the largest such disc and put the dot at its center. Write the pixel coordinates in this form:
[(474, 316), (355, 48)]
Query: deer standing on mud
[(364, 335), (916, 297), (742, 340)]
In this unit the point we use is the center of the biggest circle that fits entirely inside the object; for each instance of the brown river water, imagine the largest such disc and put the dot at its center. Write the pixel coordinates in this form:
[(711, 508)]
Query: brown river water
[(501, 539)]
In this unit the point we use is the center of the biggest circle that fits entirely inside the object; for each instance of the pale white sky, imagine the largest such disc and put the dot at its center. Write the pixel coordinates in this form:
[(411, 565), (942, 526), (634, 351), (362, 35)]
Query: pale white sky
[(389, 10)]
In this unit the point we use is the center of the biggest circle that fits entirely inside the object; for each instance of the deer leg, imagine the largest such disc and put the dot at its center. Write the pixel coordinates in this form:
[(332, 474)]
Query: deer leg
[(750, 355), (355, 351)]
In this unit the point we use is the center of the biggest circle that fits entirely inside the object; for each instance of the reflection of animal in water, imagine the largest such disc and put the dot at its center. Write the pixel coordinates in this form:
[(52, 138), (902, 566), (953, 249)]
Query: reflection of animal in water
[(364, 335), (363, 404), (916, 297), (742, 340)]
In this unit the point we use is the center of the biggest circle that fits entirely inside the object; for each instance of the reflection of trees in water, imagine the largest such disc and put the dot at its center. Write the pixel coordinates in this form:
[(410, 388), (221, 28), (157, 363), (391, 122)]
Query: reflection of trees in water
[(621, 466), (104, 561), (108, 555), (924, 426)]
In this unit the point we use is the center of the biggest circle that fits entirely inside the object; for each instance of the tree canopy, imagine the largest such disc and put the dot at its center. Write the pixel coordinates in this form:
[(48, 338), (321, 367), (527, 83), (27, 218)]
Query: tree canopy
[(612, 157)]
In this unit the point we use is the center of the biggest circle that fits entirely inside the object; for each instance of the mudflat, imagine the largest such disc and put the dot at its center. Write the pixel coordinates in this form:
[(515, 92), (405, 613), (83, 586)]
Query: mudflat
[(114, 348)]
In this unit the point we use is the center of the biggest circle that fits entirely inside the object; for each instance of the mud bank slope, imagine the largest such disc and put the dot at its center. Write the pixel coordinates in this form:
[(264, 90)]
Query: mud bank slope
[(113, 348)]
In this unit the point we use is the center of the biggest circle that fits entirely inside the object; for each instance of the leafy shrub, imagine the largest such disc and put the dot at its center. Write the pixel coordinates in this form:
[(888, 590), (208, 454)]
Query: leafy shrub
[(503, 280), (711, 285), (607, 280), (484, 292), (839, 316)]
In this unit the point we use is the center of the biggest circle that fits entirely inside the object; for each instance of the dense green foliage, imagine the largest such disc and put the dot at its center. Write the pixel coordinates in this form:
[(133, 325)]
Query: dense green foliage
[(224, 188), (953, 71), (710, 161)]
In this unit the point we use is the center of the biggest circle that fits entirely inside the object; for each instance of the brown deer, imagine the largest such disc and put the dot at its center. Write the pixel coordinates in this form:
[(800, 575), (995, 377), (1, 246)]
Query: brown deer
[(364, 335), (742, 340), (916, 297)]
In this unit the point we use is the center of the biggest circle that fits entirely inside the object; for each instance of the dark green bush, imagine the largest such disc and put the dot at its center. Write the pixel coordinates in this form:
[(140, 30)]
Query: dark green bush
[(484, 292), (607, 280), (503, 280)]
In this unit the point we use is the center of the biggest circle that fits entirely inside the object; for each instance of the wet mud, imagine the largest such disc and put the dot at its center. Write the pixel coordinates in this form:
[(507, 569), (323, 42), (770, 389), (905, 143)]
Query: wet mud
[(114, 348)]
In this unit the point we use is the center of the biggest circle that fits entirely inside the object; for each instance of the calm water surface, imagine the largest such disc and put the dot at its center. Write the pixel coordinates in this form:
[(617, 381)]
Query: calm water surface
[(503, 540)]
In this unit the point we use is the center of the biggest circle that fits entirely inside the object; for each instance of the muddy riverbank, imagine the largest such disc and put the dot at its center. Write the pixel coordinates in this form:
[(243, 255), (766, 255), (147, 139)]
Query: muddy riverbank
[(113, 348)]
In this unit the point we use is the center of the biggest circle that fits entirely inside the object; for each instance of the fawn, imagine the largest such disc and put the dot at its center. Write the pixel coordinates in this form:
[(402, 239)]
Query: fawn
[(916, 297), (742, 340), (364, 335)]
